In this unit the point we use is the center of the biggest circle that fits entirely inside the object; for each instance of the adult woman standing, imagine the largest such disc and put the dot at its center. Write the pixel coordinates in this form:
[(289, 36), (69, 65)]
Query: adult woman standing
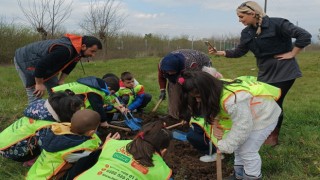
[(269, 39), (172, 65)]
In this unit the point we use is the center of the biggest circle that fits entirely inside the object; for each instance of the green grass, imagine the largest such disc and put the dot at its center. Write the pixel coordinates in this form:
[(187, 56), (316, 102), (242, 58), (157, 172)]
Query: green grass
[(296, 158)]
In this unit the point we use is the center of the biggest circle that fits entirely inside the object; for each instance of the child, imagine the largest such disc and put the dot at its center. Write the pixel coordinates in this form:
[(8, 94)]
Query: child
[(140, 158), (95, 92), (59, 107), (133, 95), (19, 141), (65, 143), (243, 112)]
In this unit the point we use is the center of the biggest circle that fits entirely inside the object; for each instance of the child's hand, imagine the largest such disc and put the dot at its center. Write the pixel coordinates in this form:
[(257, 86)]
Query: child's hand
[(104, 124), (217, 132), (114, 136), (127, 110), (120, 108)]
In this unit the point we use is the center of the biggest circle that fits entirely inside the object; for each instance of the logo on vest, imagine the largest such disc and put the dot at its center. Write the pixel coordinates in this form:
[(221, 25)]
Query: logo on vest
[(121, 157)]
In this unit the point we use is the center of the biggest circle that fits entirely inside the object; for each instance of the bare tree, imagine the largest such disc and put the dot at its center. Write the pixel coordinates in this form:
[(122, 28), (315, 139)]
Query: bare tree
[(104, 20), (46, 15), (35, 12), (59, 11)]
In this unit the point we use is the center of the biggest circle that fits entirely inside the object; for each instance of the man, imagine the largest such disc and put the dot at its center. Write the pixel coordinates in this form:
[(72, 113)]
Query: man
[(39, 63)]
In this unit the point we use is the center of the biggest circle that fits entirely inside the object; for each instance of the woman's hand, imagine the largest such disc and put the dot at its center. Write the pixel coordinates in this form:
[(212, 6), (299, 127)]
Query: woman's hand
[(213, 51), (284, 56)]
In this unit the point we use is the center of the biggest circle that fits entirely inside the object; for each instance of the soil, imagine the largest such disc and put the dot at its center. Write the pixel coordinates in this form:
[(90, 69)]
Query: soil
[(181, 157)]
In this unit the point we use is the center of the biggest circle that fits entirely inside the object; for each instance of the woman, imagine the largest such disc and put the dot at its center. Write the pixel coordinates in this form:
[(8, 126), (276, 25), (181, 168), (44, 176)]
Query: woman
[(269, 39), (140, 158), (172, 65), (241, 112)]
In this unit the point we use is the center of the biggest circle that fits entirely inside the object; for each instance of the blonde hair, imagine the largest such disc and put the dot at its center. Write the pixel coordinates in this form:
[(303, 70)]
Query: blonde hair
[(250, 7)]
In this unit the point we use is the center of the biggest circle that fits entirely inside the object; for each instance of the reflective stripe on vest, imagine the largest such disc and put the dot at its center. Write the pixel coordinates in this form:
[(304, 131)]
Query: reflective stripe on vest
[(249, 84), (116, 163), (79, 88), (21, 129), (49, 164)]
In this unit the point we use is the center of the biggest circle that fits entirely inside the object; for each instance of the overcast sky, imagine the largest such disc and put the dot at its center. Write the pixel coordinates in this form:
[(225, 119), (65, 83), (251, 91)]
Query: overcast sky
[(195, 18)]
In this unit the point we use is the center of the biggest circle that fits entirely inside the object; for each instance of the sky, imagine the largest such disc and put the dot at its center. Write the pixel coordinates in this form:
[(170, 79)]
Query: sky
[(195, 18)]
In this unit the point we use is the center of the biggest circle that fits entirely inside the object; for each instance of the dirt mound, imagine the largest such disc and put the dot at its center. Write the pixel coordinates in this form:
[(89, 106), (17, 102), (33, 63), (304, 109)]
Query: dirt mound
[(181, 157)]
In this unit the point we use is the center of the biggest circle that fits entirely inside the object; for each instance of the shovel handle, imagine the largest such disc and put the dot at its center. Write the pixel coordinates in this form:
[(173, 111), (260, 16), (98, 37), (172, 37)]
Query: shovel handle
[(118, 127), (177, 124), (219, 165), (157, 105)]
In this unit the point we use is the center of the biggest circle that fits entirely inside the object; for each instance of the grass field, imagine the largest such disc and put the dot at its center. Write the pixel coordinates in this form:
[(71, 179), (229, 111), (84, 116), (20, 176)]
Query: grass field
[(296, 158)]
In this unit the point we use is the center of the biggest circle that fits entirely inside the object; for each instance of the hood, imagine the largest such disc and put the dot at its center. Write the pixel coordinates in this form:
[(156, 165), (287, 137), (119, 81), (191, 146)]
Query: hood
[(58, 137), (95, 82), (173, 62)]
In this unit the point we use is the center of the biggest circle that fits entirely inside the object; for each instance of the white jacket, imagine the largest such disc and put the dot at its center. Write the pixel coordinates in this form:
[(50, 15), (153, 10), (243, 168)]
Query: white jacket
[(248, 114)]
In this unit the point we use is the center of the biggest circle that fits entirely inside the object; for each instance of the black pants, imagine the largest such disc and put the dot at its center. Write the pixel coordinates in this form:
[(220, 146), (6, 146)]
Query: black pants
[(285, 87), (82, 165)]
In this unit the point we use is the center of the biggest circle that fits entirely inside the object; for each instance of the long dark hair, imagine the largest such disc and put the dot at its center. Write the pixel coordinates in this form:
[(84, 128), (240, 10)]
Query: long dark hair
[(153, 137), (207, 87), (65, 104)]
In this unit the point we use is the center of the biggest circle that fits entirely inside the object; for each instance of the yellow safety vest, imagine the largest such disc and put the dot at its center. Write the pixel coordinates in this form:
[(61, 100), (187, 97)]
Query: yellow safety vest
[(79, 88), (116, 163), (131, 92), (20, 130), (249, 84), (49, 164)]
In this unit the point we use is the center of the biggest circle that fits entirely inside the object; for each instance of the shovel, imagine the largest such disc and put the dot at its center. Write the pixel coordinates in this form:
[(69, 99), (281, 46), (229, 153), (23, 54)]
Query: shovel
[(177, 124), (157, 105), (176, 134), (133, 123), (179, 135), (118, 127), (218, 165)]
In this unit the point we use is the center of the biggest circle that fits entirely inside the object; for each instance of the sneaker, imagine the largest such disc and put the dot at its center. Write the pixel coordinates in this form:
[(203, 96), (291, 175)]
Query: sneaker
[(118, 123), (210, 158)]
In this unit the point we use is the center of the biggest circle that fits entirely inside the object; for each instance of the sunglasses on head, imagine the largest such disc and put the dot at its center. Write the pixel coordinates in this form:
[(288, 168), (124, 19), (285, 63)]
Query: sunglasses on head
[(245, 5)]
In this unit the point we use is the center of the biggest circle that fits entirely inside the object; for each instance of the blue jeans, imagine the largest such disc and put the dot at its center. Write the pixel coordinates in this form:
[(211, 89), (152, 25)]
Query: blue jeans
[(50, 83), (198, 140)]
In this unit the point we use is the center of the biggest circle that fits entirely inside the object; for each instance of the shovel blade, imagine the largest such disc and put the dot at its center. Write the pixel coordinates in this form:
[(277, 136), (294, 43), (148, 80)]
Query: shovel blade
[(133, 125), (137, 120), (179, 135)]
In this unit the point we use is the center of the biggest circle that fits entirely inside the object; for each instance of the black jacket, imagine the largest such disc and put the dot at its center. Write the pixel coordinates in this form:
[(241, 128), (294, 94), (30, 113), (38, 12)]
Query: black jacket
[(275, 38)]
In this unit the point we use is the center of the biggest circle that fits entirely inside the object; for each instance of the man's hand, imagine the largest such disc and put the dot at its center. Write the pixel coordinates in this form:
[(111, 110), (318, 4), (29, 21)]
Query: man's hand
[(39, 90), (162, 94)]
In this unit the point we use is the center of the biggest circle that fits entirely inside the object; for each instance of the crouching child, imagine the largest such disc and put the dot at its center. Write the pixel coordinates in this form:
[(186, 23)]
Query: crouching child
[(65, 143)]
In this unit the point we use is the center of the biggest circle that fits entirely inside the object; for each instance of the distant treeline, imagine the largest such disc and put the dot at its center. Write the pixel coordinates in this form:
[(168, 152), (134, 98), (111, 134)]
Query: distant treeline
[(125, 45)]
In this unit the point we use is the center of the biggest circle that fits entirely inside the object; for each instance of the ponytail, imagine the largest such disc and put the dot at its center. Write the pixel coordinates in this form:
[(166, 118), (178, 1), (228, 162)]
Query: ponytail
[(152, 138)]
